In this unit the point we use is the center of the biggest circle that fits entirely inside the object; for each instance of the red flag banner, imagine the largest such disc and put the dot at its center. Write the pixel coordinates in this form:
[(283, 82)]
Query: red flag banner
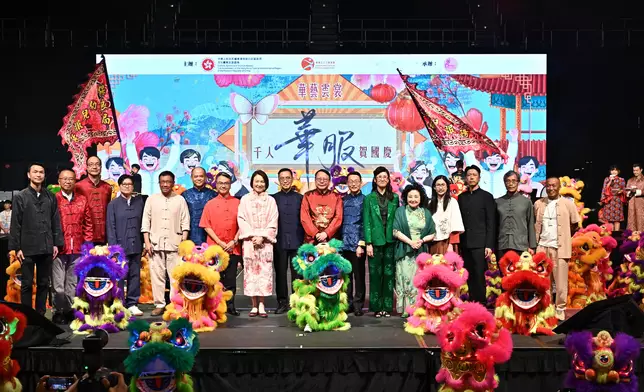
[(91, 118), (448, 132)]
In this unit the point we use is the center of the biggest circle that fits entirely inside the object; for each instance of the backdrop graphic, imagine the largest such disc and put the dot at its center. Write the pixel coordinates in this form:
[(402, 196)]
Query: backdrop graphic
[(245, 112)]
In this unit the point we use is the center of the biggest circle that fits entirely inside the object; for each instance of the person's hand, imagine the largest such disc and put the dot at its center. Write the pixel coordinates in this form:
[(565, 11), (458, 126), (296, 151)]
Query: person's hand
[(55, 253), (20, 256), (531, 251), (120, 386), (359, 251), (258, 241), (321, 237), (514, 135), (229, 246), (42, 384), (370, 250), (488, 252), (149, 248)]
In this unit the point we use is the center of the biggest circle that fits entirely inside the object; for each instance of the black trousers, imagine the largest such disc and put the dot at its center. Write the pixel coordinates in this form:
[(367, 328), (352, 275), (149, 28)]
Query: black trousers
[(42, 264), (282, 262), (229, 275), (357, 279), (133, 280), (475, 264)]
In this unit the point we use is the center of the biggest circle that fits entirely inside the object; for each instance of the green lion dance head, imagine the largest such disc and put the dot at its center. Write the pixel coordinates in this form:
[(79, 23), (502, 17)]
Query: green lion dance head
[(320, 299), (161, 356)]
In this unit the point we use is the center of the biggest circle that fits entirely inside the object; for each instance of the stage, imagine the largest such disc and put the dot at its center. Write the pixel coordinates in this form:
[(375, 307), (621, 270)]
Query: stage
[(253, 354)]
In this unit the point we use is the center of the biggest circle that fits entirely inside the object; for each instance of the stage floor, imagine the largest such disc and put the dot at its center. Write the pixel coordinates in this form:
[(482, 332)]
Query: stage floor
[(248, 354)]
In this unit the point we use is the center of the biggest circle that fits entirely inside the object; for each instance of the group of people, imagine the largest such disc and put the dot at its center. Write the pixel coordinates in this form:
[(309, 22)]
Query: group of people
[(616, 192), (262, 232)]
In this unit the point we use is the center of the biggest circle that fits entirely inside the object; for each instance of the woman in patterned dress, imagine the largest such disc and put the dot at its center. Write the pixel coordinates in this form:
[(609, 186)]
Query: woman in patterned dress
[(257, 218), (612, 199), (414, 229)]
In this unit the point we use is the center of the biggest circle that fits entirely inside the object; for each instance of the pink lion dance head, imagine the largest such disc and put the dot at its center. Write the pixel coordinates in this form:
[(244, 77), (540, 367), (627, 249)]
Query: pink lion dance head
[(472, 342), (441, 281)]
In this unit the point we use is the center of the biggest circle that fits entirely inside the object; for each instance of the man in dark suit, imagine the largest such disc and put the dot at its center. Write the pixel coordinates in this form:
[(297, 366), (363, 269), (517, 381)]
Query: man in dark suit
[(478, 211)]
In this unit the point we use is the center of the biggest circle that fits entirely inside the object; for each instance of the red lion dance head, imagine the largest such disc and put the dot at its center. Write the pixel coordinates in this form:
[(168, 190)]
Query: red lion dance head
[(525, 307), (472, 342), (12, 326), (441, 280)]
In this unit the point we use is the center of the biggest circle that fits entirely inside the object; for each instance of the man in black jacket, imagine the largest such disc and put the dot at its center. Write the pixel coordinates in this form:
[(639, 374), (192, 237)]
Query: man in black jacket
[(478, 211), (35, 235)]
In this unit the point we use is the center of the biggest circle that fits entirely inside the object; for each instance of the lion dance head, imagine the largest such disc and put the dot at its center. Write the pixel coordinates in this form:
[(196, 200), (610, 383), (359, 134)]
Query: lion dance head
[(14, 283), (630, 277), (602, 363), (471, 342), (161, 356), (571, 189), (12, 327), (441, 281), (320, 299), (524, 307), (199, 296), (590, 267), (99, 300)]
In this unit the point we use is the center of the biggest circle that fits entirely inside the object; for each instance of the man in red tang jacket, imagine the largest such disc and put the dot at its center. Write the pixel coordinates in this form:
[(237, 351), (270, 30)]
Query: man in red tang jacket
[(321, 211), (98, 194), (76, 221)]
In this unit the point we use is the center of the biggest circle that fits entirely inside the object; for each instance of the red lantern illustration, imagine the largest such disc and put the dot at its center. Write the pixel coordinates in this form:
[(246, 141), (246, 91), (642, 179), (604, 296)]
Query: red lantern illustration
[(383, 93), (403, 115)]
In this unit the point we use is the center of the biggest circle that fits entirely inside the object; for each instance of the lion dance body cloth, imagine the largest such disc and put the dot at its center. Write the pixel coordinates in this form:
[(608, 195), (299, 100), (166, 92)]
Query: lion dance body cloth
[(602, 363), (12, 327), (99, 300), (199, 296), (471, 342), (525, 307), (320, 299), (441, 281), (161, 356)]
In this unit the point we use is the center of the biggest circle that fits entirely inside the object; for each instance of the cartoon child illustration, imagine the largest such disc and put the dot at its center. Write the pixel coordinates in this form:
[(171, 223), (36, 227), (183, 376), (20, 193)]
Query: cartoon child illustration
[(189, 159), (421, 173), (237, 189), (450, 162), (144, 152), (115, 168), (529, 165), (493, 166)]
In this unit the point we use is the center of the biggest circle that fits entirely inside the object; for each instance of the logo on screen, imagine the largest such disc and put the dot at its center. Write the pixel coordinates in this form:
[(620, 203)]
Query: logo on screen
[(451, 64), (208, 64), (308, 63)]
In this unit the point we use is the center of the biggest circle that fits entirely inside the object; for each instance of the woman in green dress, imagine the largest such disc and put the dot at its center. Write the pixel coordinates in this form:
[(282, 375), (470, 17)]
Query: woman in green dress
[(414, 229), (378, 211)]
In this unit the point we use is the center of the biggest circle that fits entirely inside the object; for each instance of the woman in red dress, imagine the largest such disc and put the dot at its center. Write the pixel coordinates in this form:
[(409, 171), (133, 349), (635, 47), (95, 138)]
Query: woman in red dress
[(612, 199)]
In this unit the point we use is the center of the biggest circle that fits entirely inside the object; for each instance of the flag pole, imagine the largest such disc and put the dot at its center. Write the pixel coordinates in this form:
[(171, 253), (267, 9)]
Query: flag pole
[(112, 107)]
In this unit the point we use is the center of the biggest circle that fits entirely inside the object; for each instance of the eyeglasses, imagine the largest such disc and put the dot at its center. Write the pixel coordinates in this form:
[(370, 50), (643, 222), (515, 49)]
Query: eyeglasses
[(223, 183), (67, 179), (93, 165), (511, 181)]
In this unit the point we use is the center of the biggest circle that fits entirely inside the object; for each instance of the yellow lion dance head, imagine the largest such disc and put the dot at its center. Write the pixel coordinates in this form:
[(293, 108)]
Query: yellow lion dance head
[(199, 295), (571, 189)]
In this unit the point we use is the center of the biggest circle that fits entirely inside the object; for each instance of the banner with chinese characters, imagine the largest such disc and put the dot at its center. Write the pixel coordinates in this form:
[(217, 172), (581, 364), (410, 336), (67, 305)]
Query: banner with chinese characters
[(90, 120), (241, 113), (448, 132)]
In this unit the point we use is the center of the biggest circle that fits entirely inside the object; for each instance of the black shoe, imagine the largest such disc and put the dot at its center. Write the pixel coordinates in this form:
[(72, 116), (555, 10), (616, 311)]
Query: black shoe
[(230, 309), (351, 309), (358, 313), (58, 319), (281, 308)]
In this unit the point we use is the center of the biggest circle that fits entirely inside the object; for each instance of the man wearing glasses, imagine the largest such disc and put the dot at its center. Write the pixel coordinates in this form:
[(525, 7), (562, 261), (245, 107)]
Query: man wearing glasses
[(219, 220), (76, 222), (124, 215), (321, 211), (516, 219), (98, 194)]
